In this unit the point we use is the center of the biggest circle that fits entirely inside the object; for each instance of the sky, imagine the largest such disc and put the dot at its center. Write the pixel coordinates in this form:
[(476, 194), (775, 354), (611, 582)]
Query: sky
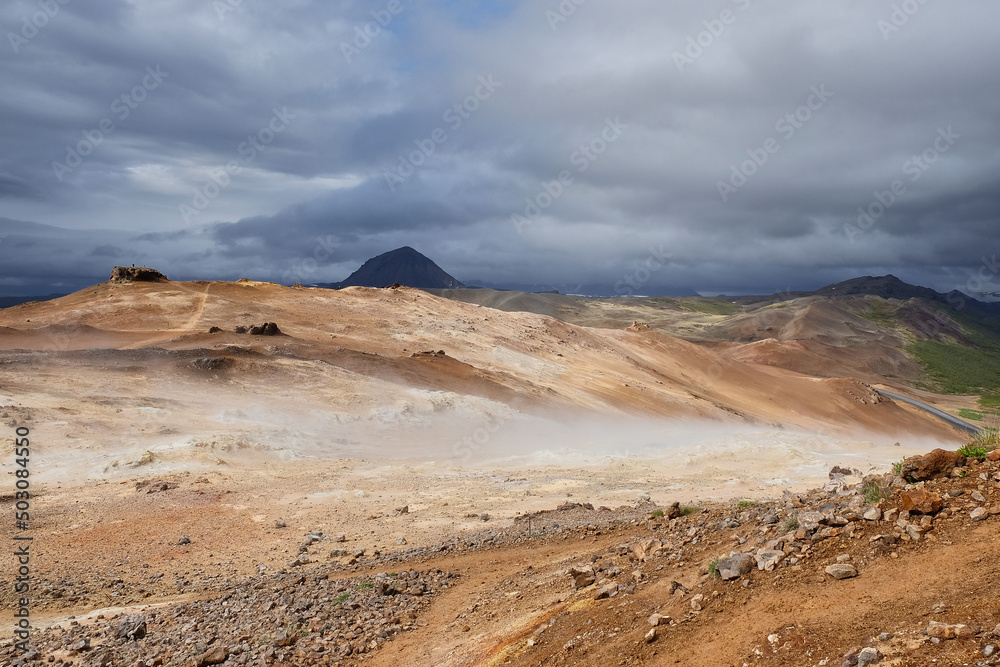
[(634, 146)]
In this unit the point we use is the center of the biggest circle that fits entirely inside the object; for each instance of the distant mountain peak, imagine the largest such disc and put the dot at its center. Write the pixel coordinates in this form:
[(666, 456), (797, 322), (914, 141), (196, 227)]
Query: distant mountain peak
[(405, 266)]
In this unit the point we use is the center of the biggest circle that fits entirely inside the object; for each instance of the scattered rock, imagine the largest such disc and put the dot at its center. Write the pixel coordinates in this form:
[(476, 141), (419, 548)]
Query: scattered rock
[(582, 576), (842, 571), (658, 619), (873, 514), (651, 636), (405, 509), (921, 501), (213, 656), (768, 559), (280, 523), (979, 514), (131, 627), (937, 630), (978, 497), (735, 566), (869, 656), (184, 539), (606, 591), (696, 602)]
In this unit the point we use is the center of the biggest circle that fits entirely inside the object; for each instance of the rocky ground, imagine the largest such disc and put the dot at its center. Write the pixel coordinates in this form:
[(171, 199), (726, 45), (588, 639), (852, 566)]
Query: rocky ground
[(893, 569)]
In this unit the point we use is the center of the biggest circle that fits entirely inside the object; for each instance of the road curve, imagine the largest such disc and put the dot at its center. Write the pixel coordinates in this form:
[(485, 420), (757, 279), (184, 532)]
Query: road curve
[(954, 421)]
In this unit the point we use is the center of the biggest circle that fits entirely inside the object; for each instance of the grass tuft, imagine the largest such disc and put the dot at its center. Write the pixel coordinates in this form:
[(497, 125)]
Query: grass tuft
[(713, 569), (687, 510), (744, 504), (872, 492)]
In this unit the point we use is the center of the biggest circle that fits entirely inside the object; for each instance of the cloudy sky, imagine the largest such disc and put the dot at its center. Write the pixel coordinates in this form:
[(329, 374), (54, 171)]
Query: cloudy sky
[(725, 145)]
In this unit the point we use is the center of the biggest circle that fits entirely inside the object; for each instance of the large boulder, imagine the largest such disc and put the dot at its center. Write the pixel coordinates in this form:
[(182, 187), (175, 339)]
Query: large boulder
[(136, 274), (938, 463)]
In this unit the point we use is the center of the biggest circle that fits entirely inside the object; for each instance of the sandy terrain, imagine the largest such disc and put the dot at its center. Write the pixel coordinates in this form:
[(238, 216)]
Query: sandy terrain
[(146, 427)]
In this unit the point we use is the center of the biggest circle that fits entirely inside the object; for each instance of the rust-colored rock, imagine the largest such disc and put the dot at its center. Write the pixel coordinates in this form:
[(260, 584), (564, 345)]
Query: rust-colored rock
[(994, 455), (921, 501), (938, 463), (135, 274)]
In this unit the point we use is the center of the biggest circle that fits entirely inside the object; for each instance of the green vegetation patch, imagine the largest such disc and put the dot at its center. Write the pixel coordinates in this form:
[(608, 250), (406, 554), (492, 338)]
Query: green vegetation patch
[(881, 312), (710, 306), (958, 369), (973, 451), (975, 415), (990, 400)]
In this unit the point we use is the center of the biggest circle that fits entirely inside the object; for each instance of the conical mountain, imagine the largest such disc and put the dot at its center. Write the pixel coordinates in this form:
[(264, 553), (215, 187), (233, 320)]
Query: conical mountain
[(403, 265)]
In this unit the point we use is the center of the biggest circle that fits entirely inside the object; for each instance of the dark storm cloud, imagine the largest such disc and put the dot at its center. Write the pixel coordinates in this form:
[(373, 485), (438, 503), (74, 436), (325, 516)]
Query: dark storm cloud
[(751, 145)]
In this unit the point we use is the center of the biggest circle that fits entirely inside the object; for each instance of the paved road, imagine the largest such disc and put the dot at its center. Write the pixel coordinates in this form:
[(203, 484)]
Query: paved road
[(954, 421)]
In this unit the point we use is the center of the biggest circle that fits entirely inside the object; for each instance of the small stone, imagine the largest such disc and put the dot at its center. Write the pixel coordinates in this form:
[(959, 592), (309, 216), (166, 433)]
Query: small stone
[(583, 576), (989, 651), (81, 645), (606, 591), (978, 514), (651, 636), (131, 627), (978, 497), (339, 538), (214, 656), (184, 539), (696, 602), (658, 619), (400, 540), (884, 637), (939, 608), (405, 509), (735, 566), (843, 558), (873, 514), (280, 523), (842, 571), (767, 560)]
